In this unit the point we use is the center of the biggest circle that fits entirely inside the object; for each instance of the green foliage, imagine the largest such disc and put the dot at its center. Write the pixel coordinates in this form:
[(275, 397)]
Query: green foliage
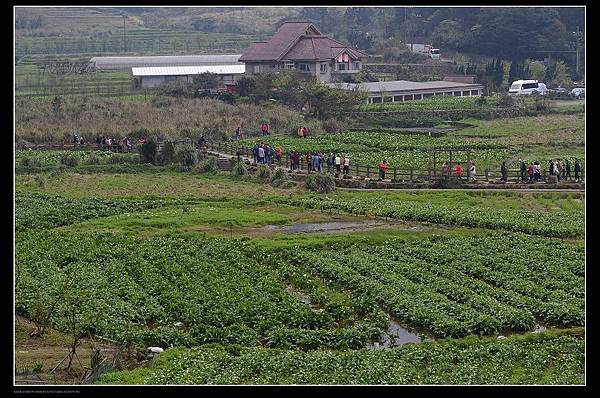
[(239, 169), (148, 151), (263, 172), (279, 177), (207, 165), (555, 224), (320, 182), (206, 80), (167, 153), (542, 359), (186, 155), (69, 160)]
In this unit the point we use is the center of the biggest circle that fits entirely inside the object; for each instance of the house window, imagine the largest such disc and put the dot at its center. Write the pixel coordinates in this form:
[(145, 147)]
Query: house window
[(408, 97), (376, 100), (289, 65), (357, 66), (397, 98), (474, 92), (465, 93), (341, 66), (170, 78), (387, 99), (418, 96), (457, 93), (304, 67), (323, 68), (427, 95)]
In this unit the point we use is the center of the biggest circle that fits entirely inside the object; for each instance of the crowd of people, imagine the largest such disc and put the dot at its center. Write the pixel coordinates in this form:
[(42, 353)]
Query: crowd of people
[(531, 173), (125, 143)]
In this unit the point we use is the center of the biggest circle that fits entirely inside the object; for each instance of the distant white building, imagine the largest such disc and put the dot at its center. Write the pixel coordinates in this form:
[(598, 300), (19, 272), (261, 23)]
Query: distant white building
[(404, 90), (149, 77), (108, 63)]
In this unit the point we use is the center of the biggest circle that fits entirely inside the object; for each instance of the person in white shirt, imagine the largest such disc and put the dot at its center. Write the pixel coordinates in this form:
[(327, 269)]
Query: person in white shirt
[(338, 163), (347, 165)]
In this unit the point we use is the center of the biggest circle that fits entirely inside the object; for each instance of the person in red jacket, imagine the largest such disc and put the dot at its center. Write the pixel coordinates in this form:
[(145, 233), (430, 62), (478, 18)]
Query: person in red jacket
[(383, 166), (458, 171)]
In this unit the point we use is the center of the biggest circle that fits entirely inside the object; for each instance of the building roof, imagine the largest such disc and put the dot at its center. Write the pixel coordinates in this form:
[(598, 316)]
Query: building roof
[(188, 70), (181, 60), (402, 85), (285, 37), (319, 47)]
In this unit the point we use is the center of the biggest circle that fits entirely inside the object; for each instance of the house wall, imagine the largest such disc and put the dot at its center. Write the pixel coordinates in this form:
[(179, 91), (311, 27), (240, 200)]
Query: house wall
[(152, 81)]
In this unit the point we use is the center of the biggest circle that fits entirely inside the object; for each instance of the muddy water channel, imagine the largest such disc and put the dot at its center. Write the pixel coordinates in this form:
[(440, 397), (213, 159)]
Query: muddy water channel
[(397, 336), (340, 226)]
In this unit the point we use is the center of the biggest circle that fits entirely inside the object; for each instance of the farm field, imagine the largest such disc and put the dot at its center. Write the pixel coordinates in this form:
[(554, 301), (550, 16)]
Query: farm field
[(206, 264)]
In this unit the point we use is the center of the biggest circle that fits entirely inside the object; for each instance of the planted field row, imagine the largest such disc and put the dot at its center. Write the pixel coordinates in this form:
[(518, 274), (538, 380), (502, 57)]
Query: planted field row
[(558, 223), (535, 359), (456, 286), (134, 290), (436, 103), (39, 211)]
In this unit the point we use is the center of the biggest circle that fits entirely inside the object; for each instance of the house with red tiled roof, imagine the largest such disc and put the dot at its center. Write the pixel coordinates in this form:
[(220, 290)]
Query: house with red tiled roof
[(301, 46)]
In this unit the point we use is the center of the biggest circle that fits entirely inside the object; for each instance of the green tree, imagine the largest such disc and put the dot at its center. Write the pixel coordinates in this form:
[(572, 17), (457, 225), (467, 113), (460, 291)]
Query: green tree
[(206, 80), (537, 70)]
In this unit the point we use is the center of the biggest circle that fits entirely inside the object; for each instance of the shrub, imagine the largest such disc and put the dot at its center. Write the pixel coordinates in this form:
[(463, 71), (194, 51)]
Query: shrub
[(320, 182), (40, 180), (167, 153), (279, 177), (186, 155), (148, 152), (31, 162), (207, 165), (264, 172), (331, 126), (239, 169), (69, 160), (92, 159)]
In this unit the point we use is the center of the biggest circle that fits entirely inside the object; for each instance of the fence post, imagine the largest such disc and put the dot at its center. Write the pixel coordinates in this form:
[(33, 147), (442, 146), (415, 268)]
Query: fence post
[(357, 169), (486, 174), (368, 173), (395, 179), (411, 175)]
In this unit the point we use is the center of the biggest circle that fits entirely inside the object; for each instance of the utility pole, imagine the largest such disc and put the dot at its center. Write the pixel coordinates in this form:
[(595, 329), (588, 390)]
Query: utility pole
[(577, 38)]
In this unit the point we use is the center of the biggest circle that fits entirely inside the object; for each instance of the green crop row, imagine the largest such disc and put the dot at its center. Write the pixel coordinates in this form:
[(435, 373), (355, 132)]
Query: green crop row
[(455, 286), (555, 224), (133, 290), (39, 211), (535, 359)]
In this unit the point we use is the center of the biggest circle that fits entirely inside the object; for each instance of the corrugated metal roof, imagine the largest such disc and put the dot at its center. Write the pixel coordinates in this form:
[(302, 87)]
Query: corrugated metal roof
[(400, 85), (188, 70), (167, 60)]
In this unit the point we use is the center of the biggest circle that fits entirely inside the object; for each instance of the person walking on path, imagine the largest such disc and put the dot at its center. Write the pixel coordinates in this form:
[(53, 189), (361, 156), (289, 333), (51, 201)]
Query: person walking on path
[(561, 170), (347, 165), (568, 169), (472, 171), (383, 166), (522, 169), (255, 153), (458, 171), (577, 169), (551, 167), (330, 162), (446, 171), (504, 172), (338, 163), (530, 171), (261, 154), (309, 161)]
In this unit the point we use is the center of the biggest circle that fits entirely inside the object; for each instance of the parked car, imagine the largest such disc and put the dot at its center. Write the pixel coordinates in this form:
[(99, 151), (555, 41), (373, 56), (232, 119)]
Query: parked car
[(527, 87), (578, 92), (559, 90)]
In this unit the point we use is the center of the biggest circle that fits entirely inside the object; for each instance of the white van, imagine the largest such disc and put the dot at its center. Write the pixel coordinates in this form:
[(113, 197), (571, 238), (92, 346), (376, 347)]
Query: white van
[(434, 53), (527, 87)]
